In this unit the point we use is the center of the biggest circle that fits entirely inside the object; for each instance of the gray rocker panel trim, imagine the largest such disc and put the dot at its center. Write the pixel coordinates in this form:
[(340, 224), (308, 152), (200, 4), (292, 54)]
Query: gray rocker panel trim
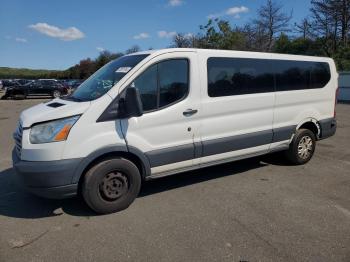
[(228, 144), (171, 155), (190, 151), (217, 146), (283, 133)]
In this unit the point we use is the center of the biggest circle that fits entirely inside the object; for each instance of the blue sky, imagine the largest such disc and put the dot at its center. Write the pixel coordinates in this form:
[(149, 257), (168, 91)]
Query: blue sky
[(57, 34)]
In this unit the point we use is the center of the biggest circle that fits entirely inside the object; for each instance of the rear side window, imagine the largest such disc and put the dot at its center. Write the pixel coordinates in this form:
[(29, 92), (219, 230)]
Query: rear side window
[(292, 75), (320, 75), (163, 84), (238, 76), (300, 75)]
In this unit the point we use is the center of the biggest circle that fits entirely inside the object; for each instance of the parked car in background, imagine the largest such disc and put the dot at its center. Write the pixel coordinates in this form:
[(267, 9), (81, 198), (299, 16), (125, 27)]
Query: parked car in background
[(24, 81), (1, 86), (9, 82), (50, 87), (75, 84)]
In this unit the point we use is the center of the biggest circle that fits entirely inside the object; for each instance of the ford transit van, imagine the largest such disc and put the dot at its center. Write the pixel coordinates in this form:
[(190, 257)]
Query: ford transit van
[(156, 113)]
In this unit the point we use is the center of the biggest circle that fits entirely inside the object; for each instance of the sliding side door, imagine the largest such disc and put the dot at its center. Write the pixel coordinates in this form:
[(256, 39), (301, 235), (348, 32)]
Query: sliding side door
[(237, 104)]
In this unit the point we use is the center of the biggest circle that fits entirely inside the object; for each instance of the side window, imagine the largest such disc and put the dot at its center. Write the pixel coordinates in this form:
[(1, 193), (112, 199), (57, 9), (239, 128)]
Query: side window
[(300, 75), (37, 84), (50, 84), (320, 75), (163, 83), (292, 75), (238, 76), (173, 81), (147, 85)]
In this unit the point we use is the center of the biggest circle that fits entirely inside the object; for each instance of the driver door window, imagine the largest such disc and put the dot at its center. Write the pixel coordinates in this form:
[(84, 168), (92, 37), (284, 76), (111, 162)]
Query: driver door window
[(163, 84), (147, 85)]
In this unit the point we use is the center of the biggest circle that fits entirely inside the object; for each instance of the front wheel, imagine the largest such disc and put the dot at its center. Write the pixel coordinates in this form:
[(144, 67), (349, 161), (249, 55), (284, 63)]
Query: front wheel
[(56, 94), (302, 147), (111, 185)]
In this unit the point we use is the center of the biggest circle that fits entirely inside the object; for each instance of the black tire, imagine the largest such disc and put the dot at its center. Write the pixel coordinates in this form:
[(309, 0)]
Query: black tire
[(56, 94), (111, 185), (302, 147)]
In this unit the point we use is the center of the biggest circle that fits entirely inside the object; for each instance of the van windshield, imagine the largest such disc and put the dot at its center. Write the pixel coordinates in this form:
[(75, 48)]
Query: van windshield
[(105, 78)]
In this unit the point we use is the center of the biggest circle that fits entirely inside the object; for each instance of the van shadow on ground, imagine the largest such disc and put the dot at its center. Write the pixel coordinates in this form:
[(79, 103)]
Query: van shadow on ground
[(16, 202)]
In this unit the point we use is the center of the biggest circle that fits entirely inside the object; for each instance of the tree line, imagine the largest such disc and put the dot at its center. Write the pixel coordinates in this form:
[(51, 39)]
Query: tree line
[(324, 32)]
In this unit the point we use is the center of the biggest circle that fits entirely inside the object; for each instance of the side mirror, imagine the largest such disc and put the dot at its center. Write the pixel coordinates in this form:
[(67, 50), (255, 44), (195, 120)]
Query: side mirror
[(128, 104), (132, 103)]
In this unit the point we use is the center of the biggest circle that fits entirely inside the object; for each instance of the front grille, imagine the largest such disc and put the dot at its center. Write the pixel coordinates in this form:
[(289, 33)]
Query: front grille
[(18, 139)]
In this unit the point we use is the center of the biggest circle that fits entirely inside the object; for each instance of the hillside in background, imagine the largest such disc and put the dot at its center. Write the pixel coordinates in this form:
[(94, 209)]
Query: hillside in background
[(8, 72), (82, 70)]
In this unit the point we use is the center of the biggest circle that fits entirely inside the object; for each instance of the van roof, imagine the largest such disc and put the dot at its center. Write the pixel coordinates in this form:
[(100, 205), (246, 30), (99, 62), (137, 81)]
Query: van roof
[(220, 52)]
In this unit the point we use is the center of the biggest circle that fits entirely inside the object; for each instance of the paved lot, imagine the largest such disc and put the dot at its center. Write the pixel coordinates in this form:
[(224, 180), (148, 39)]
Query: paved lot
[(252, 210)]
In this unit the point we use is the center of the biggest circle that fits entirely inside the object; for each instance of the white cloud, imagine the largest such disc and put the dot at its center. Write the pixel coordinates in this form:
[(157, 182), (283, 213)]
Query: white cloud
[(165, 34), (22, 40), (141, 36), (68, 34), (175, 2), (234, 11), (100, 49)]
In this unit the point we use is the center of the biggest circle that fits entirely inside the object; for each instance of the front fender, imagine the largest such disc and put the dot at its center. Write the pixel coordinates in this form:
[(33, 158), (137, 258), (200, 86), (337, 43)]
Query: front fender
[(110, 149)]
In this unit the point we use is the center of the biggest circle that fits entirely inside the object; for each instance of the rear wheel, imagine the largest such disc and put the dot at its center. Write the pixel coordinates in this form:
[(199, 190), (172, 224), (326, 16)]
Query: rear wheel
[(111, 185), (302, 147)]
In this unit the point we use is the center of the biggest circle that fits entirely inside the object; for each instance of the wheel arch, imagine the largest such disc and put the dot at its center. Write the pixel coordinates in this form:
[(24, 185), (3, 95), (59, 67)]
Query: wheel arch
[(133, 154), (311, 124)]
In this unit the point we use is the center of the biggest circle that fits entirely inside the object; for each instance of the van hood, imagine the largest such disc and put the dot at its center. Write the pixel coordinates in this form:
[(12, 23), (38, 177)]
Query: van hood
[(54, 109)]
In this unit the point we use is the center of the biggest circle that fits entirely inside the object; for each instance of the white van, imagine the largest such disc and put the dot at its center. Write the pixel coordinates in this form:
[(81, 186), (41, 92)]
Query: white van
[(157, 113)]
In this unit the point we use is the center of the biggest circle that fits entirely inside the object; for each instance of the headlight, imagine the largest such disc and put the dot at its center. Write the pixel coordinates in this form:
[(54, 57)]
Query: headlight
[(52, 131)]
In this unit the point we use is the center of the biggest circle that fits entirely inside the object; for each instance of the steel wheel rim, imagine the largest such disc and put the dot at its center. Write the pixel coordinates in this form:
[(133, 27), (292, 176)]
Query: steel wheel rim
[(113, 186), (305, 147)]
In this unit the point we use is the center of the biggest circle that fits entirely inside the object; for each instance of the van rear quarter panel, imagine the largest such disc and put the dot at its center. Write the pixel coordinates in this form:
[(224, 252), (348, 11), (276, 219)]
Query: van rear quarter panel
[(299, 106)]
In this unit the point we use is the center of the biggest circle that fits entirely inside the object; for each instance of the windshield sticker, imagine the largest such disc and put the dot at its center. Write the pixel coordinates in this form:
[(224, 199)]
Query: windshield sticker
[(123, 70)]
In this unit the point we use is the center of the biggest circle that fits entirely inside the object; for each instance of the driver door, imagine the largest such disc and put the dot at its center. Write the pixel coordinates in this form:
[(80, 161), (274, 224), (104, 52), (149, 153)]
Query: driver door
[(168, 131)]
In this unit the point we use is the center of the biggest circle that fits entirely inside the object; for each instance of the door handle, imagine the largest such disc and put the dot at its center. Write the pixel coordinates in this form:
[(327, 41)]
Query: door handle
[(190, 112)]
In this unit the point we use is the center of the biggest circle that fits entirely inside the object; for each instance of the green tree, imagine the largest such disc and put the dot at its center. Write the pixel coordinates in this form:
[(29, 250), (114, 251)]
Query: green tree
[(218, 34)]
